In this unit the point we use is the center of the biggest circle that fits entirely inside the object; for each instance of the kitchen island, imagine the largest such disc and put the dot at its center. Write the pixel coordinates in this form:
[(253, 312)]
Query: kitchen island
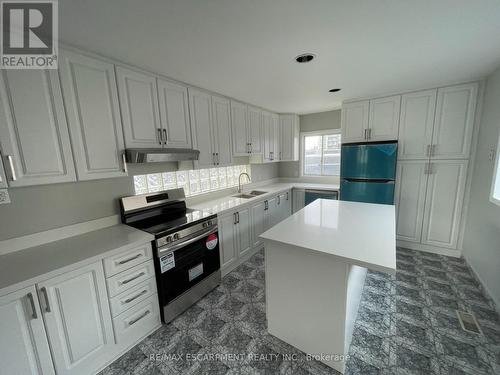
[(316, 262)]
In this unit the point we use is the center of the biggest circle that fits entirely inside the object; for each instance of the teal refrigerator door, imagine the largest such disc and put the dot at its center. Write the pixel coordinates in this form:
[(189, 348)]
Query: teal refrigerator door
[(368, 192), (369, 161)]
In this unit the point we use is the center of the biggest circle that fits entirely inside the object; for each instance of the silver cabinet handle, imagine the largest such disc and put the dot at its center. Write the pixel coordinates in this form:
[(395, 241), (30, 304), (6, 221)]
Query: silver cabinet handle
[(248, 148), (237, 217), (266, 205), (129, 259), (160, 138), (132, 278), (369, 133), (251, 148), (12, 170), (124, 159), (365, 134), (43, 291), (128, 300), (217, 158), (235, 221), (139, 318), (287, 195), (281, 156), (32, 305), (278, 198), (165, 139)]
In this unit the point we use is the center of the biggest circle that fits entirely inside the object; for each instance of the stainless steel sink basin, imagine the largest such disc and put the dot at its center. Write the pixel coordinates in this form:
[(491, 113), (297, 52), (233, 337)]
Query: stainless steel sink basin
[(257, 192), (244, 196)]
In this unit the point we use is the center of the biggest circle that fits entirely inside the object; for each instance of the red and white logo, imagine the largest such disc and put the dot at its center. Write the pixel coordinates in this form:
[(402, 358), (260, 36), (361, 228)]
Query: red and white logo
[(212, 241)]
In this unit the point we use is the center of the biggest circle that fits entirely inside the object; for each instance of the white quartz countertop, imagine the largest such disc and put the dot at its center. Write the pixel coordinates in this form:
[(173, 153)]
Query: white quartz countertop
[(363, 234), (30, 263), (228, 203)]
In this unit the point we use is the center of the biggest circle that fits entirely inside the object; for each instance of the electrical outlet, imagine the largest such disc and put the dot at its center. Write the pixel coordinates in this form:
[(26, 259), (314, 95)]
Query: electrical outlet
[(4, 196)]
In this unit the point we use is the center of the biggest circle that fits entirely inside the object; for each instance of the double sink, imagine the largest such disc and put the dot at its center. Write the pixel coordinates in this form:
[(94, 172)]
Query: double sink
[(252, 194)]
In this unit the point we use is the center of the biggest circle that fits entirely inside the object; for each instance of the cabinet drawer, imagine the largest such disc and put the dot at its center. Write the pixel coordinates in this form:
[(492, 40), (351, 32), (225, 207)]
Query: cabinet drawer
[(132, 297), (130, 278), (124, 261), (137, 321)]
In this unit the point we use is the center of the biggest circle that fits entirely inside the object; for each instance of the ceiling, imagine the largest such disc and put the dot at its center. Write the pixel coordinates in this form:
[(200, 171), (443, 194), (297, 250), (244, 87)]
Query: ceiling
[(246, 48)]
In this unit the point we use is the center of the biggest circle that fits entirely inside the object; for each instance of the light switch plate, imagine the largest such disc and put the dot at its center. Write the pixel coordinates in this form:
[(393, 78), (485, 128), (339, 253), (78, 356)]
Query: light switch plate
[(4, 196)]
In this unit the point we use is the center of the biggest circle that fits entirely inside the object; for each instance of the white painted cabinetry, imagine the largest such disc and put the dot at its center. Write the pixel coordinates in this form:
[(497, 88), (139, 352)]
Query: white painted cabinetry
[(354, 118), (239, 129), (383, 122), (34, 134), (138, 95), (221, 111), (24, 348), (258, 222), (78, 320), (91, 99), (289, 139), (255, 130)]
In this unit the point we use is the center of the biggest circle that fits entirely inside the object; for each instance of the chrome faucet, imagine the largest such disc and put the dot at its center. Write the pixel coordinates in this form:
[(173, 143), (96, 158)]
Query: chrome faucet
[(239, 181)]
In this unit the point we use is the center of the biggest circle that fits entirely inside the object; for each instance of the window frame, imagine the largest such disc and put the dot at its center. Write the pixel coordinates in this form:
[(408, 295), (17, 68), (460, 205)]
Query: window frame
[(496, 176), (303, 135)]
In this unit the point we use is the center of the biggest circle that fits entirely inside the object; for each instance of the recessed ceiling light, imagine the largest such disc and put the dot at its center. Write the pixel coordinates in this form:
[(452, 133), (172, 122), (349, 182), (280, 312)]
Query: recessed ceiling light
[(305, 58), (334, 90)]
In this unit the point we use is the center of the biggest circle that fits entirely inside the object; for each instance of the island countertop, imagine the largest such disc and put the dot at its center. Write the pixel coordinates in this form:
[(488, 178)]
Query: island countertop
[(362, 234)]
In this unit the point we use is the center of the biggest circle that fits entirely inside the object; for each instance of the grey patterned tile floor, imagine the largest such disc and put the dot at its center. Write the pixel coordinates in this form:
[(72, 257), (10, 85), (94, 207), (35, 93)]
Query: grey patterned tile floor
[(406, 324)]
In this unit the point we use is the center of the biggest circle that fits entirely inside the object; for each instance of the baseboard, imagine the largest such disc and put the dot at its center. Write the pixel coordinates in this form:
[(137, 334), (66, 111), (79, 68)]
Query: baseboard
[(485, 287), (430, 249)]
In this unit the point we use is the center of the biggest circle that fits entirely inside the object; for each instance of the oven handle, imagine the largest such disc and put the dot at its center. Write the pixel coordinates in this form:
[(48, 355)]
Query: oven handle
[(167, 249)]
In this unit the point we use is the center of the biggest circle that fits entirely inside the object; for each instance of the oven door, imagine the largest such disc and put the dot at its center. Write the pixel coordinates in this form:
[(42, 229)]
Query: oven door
[(180, 269)]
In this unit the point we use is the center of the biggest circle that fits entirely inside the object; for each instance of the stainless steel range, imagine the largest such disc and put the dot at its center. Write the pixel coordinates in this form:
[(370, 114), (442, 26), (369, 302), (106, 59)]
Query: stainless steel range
[(186, 246)]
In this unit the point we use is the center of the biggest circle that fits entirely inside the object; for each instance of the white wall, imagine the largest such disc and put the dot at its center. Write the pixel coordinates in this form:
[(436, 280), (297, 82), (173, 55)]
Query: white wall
[(312, 122), (482, 234)]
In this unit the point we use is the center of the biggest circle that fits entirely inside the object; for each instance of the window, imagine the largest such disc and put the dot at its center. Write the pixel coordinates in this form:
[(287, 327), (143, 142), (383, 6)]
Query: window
[(194, 182), (320, 153), (495, 187)]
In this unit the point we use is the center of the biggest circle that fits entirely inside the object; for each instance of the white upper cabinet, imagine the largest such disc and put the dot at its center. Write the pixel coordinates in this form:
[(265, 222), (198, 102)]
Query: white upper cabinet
[(268, 131), (276, 134), (221, 110), (289, 137), (454, 121), (383, 122), (200, 105), (411, 182), (355, 121), (78, 321), (139, 108), (91, 98), (239, 129), (174, 114), (444, 202), (33, 130), (416, 123), (255, 130), (24, 348)]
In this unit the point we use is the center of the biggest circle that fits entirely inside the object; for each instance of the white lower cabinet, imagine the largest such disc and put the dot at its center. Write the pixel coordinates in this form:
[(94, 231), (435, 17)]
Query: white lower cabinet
[(258, 222), (24, 348), (78, 321)]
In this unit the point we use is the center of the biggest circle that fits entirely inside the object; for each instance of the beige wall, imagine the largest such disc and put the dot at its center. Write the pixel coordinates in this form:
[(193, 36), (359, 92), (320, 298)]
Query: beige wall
[(482, 233), (312, 122)]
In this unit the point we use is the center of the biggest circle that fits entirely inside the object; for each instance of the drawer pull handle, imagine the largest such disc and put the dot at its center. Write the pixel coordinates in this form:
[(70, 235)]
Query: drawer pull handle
[(32, 305), (43, 291), (129, 259), (128, 300), (132, 322), (133, 278)]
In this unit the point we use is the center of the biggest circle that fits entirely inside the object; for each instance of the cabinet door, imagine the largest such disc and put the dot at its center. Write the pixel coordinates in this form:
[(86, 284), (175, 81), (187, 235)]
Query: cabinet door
[(289, 144), (221, 109), (384, 118), (200, 106), (228, 238), (78, 320), (174, 114), (258, 222), (139, 108), (268, 132), (272, 213), (91, 98), (33, 129), (411, 182), (416, 123), (23, 343), (255, 130), (244, 231), (239, 129), (454, 121), (283, 207), (354, 121), (276, 137), (443, 203)]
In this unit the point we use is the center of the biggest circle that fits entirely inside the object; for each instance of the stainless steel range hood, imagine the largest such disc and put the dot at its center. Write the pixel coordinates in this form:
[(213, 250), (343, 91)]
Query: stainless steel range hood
[(155, 155)]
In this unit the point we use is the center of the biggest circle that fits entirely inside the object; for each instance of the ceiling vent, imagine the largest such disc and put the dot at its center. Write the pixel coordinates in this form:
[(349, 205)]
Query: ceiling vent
[(305, 58)]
